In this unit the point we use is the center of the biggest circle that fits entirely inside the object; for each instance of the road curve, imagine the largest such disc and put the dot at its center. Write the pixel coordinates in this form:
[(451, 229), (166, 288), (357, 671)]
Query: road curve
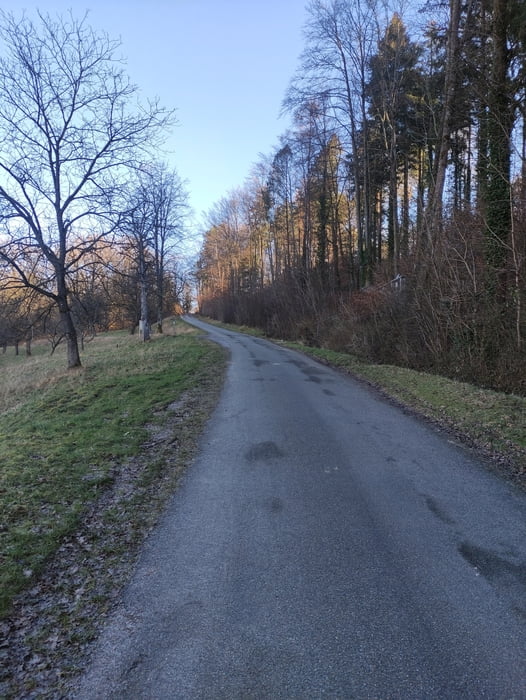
[(323, 545)]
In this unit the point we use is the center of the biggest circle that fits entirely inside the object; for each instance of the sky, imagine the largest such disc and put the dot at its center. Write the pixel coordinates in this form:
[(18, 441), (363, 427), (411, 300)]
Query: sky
[(223, 65)]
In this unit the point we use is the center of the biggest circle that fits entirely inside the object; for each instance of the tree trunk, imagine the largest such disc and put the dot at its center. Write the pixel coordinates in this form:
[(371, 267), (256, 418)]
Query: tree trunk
[(71, 337), (70, 332), (404, 238), (433, 217), (393, 228), (160, 301), (500, 125), (144, 326)]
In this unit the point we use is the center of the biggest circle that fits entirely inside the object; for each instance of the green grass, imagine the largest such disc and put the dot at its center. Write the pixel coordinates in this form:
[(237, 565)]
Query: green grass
[(61, 433)]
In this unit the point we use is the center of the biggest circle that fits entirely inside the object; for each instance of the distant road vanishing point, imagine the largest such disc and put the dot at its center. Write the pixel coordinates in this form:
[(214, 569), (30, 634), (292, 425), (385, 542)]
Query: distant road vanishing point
[(324, 544)]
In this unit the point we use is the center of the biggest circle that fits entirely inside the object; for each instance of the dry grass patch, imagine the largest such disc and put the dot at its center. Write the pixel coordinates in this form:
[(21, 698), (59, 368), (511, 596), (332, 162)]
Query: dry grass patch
[(22, 376)]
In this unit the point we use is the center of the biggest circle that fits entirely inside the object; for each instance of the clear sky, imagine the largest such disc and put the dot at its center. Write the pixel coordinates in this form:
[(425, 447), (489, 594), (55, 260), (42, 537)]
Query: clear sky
[(224, 65)]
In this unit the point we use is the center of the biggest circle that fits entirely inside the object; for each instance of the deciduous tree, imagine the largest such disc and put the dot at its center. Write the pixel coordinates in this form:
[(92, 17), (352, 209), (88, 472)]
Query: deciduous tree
[(70, 130)]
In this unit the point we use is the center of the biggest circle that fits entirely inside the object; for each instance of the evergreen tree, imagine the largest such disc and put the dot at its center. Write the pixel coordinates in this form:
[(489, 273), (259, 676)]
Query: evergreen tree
[(394, 88)]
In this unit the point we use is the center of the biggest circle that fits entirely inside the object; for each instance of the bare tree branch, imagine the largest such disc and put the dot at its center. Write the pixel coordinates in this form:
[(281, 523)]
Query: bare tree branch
[(71, 134)]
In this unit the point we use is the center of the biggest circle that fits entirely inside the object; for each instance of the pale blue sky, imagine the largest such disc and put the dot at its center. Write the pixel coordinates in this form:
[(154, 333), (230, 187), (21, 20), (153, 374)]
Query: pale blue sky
[(223, 64)]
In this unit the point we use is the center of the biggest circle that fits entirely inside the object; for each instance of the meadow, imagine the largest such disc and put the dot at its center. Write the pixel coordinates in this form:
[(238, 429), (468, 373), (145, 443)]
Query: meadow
[(65, 433)]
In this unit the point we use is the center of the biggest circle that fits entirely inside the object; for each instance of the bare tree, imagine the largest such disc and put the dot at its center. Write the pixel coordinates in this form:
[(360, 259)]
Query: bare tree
[(137, 229), (169, 201), (333, 74), (69, 135), (153, 225)]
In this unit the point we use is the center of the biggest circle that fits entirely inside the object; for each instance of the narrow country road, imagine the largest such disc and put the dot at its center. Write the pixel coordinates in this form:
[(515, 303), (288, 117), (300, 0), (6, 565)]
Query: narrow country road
[(323, 545)]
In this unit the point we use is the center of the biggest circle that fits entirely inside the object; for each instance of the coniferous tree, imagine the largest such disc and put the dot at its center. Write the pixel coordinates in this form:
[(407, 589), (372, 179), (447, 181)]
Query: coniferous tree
[(500, 126), (394, 88)]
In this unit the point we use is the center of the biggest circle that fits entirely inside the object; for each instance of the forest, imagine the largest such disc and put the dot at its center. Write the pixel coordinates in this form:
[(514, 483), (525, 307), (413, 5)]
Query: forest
[(390, 220)]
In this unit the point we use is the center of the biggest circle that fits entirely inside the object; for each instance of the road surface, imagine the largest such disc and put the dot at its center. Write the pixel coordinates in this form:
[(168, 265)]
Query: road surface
[(323, 545)]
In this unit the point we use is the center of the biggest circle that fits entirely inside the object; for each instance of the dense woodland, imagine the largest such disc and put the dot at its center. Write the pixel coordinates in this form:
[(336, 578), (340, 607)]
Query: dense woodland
[(390, 221)]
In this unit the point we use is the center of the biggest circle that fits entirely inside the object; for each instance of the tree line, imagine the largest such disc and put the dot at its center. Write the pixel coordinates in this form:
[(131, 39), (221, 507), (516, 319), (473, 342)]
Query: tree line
[(90, 218), (390, 219)]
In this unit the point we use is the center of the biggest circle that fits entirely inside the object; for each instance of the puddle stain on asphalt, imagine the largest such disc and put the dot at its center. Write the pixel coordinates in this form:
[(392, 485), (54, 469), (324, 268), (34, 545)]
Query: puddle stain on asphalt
[(261, 451)]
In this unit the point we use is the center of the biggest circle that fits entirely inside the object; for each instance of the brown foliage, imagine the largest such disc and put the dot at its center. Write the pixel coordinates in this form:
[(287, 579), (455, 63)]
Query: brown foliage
[(436, 317)]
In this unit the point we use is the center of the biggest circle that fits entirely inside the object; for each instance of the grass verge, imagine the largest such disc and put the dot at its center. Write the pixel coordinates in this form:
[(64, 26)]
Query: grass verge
[(88, 459)]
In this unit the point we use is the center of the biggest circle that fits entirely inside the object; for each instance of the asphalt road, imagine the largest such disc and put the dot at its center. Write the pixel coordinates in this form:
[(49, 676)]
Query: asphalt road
[(323, 545)]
